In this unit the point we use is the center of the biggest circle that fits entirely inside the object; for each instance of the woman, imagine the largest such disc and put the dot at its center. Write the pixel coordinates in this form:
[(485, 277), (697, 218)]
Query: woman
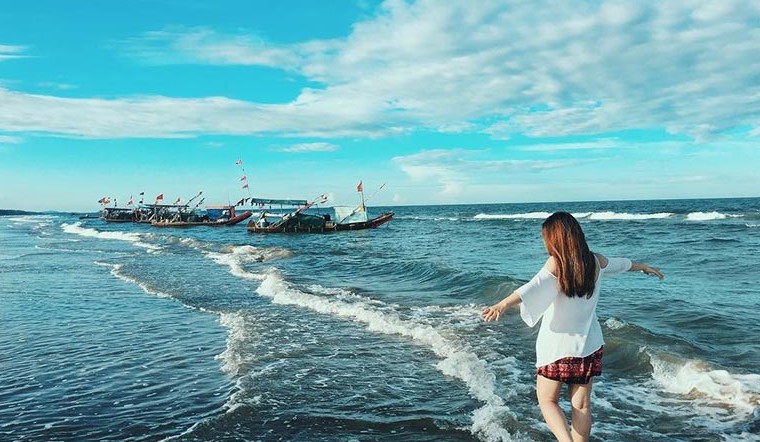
[(569, 346)]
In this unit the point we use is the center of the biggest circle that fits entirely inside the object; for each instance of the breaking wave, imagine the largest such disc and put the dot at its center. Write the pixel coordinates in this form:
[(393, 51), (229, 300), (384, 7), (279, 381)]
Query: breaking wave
[(705, 216), (457, 360), (134, 238), (596, 216), (725, 397)]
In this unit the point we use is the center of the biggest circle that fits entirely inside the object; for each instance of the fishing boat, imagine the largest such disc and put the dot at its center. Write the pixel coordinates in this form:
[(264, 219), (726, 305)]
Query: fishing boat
[(298, 221), (215, 216), (120, 214)]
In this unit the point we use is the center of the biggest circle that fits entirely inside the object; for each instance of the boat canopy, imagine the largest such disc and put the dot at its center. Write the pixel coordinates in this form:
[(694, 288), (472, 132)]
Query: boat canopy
[(165, 205), (275, 201), (350, 214), (218, 212)]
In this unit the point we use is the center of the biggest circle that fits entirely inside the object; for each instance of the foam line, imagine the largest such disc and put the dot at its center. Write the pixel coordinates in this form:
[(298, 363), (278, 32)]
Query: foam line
[(457, 360), (134, 238)]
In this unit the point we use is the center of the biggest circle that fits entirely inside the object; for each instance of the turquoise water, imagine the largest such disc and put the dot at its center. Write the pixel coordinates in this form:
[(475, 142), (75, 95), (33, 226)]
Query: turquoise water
[(124, 332)]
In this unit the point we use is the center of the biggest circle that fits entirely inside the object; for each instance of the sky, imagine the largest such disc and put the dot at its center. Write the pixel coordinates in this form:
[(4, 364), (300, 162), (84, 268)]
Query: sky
[(424, 102)]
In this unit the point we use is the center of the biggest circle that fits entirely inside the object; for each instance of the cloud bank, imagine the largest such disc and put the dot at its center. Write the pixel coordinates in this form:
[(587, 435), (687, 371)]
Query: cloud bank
[(540, 69)]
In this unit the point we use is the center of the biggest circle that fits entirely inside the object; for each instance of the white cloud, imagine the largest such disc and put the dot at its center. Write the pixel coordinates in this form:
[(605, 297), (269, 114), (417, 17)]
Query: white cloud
[(310, 147), (57, 86), (598, 144), (5, 139), (536, 68), (457, 172), (9, 52), (204, 46)]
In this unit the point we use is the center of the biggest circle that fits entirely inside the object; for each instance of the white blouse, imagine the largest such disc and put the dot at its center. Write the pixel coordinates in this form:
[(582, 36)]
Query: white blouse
[(569, 327)]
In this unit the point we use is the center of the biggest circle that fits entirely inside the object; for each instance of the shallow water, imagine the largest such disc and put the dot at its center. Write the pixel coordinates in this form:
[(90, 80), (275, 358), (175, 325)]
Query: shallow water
[(123, 332)]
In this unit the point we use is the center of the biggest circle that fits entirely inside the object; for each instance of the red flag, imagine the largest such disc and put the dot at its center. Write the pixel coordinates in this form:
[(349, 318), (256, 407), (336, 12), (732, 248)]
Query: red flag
[(239, 162), (160, 197), (245, 186), (359, 187), (243, 178)]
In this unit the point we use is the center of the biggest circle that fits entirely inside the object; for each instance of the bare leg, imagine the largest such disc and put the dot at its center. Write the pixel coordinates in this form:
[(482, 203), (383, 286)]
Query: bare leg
[(580, 399), (547, 391)]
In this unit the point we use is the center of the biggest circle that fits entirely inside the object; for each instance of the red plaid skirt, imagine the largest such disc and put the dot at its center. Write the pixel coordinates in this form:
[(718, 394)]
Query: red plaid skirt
[(574, 370)]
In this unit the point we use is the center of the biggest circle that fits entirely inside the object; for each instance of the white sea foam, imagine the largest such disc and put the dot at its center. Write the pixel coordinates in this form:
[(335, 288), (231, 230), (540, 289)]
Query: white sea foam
[(235, 357), (618, 396), (741, 437), (597, 216), (30, 219), (531, 215), (134, 238), (235, 262), (603, 216), (456, 359), (63, 249), (718, 394), (615, 324), (428, 218), (705, 216), (116, 271), (231, 358)]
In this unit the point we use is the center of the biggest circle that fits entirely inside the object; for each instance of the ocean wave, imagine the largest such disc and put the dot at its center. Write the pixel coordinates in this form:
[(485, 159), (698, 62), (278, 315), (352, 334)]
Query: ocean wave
[(237, 335), (67, 250), (687, 389), (134, 238), (426, 218), (596, 216), (620, 399), (724, 397), (29, 219), (116, 270), (237, 257), (530, 215), (615, 323), (603, 216), (457, 360), (705, 216)]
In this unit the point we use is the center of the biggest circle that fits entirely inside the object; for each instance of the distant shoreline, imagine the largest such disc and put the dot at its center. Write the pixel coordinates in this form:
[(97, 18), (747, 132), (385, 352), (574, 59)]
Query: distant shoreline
[(8, 212)]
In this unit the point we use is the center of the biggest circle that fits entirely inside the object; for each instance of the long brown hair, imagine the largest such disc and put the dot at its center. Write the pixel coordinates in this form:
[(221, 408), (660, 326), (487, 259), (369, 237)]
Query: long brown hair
[(576, 266)]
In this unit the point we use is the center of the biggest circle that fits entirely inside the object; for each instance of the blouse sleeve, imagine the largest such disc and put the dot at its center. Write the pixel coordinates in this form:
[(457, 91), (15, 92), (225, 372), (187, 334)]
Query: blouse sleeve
[(537, 295), (617, 265)]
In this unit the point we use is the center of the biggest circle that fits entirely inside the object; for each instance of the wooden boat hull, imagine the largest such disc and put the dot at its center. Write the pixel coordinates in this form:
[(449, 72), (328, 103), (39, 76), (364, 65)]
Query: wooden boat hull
[(230, 222), (327, 227)]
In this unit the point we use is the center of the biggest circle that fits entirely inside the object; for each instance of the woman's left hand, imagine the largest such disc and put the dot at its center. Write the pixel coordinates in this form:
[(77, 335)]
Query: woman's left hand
[(653, 271)]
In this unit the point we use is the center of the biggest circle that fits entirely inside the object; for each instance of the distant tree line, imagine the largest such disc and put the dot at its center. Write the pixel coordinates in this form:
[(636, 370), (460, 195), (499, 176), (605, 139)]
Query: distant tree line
[(6, 212)]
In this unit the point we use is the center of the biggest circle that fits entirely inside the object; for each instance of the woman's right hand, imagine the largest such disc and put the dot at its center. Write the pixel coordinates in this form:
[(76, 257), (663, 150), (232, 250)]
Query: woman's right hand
[(491, 313)]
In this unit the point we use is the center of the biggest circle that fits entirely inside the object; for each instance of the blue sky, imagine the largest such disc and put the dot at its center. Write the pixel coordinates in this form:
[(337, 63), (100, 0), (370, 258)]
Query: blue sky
[(445, 102)]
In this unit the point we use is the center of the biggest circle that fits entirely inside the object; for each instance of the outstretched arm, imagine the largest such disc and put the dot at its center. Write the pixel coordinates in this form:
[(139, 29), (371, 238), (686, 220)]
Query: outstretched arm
[(493, 312), (647, 270), (635, 266)]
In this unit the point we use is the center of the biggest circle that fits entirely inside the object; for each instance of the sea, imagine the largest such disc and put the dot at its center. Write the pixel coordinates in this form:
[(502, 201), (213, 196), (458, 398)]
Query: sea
[(124, 332)]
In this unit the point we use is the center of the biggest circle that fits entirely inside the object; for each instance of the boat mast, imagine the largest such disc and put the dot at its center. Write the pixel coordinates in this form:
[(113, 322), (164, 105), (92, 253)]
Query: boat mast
[(244, 180), (360, 189)]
